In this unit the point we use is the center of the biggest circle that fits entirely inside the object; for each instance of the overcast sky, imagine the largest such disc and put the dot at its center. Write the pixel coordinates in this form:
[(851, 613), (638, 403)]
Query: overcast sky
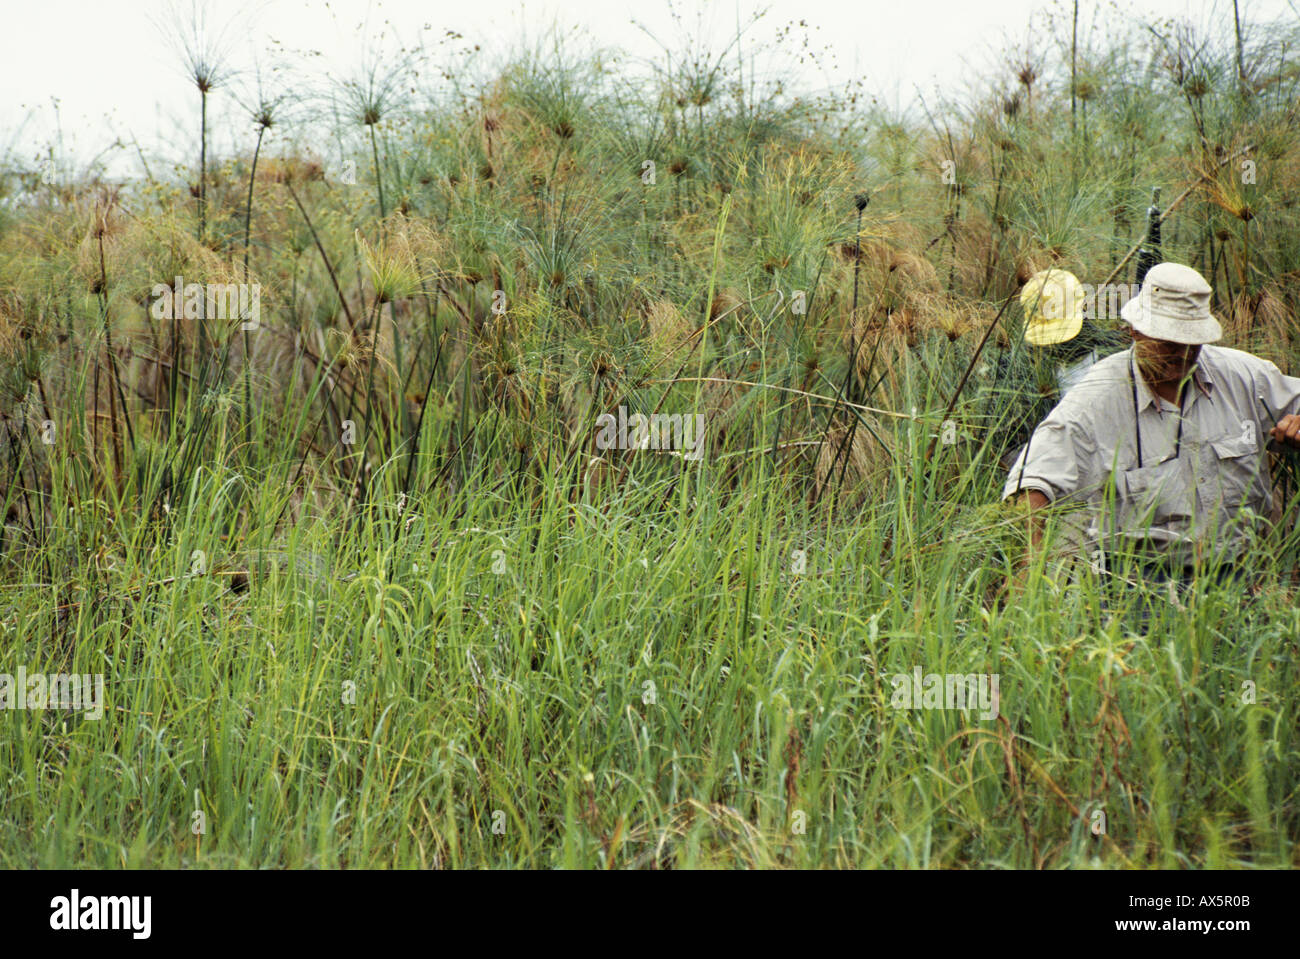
[(113, 76)]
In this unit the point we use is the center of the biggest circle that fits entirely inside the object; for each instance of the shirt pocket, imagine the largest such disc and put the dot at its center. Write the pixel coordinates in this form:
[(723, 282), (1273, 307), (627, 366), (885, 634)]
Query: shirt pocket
[(1237, 458), (1157, 496)]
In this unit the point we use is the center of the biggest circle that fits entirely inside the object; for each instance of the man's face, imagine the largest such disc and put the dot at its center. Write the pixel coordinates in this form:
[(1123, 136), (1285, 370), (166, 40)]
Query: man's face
[(1162, 361)]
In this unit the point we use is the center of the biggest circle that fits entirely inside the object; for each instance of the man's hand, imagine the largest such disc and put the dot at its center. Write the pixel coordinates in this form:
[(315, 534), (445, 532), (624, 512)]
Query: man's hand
[(1035, 500), (1287, 431)]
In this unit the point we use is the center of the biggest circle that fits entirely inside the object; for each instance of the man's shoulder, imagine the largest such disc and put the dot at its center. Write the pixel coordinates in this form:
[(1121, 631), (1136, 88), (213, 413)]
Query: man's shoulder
[(1109, 366), (1098, 388), (1229, 360)]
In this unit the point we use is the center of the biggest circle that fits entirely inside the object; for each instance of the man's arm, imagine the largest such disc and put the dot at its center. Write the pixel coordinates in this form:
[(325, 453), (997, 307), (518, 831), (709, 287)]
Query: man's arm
[(1036, 500), (1281, 397), (1051, 466), (1032, 501)]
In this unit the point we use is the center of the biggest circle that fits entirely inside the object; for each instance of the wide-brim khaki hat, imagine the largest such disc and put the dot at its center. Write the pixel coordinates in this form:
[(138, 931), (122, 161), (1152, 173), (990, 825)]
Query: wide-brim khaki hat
[(1053, 301), (1173, 305)]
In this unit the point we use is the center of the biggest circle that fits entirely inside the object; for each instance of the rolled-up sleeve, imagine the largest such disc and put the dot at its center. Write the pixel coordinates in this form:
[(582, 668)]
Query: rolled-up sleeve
[(1057, 461), (1280, 392)]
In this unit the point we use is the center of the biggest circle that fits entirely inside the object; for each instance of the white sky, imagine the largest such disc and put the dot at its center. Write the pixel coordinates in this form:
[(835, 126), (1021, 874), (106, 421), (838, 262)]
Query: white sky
[(113, 75)]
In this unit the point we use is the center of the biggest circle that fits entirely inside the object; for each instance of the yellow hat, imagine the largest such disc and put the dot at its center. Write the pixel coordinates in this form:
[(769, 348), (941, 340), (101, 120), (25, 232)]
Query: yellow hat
[(1053, 302)]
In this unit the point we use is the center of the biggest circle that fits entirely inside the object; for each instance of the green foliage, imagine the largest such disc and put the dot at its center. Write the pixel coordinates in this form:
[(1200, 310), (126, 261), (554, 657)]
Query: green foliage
[(363, 581)]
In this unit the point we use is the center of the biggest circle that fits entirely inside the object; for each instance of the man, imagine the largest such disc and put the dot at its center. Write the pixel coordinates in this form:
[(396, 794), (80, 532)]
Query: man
[(1056, 355), (1054, 302), (1162, 442)]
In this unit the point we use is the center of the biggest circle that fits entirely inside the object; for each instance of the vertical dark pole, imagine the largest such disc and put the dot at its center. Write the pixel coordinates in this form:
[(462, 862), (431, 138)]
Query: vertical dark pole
[(851, 384), (1149, 255)]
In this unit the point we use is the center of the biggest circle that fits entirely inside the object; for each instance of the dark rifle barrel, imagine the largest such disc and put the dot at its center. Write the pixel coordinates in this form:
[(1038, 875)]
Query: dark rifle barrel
[(1149, 255)]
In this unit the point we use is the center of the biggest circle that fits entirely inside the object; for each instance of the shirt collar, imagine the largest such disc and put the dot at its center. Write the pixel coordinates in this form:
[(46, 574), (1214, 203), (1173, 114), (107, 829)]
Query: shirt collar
[(1200, 376)]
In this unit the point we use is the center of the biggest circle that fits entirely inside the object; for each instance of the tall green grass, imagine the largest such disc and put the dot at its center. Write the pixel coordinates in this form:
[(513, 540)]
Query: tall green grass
[(469, 637)]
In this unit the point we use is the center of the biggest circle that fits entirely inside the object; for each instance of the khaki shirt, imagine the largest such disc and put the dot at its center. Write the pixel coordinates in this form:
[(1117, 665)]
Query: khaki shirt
[(1215, 492)]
